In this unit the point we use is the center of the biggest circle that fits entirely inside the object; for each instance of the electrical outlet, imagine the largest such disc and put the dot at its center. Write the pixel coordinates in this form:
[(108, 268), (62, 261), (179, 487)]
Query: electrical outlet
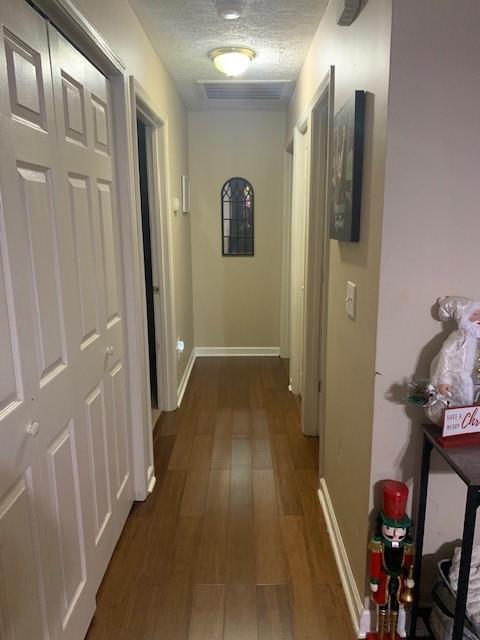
[(180, 348)]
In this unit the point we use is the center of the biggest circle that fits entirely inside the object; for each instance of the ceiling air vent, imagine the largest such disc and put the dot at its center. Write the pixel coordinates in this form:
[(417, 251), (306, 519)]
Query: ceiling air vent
[(228, 90), (347, 11)]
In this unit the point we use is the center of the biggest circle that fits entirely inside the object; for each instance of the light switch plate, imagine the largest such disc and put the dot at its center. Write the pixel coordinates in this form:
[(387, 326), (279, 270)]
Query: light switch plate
[(350, 300)]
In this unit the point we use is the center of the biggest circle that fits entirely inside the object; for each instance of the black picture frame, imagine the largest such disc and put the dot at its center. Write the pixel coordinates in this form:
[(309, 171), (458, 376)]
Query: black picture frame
[(238, 194), (347, 169)]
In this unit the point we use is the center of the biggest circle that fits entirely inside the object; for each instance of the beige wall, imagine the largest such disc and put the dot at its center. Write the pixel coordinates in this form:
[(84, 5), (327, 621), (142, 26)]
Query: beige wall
[(118, 24), (236, 299), (431, 230), (360, 54)]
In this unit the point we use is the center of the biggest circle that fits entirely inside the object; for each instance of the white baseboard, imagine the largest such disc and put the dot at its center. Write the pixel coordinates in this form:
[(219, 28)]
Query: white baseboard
[(363, 618), (352, 596), (151, 484), (186, 377), (237, 351)]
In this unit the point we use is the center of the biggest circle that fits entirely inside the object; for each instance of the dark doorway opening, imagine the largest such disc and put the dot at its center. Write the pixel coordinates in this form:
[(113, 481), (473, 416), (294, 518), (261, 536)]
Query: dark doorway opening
[(147, 256)]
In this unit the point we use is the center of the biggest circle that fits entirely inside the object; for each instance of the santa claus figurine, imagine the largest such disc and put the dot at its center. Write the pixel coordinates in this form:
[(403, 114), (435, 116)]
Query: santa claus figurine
[(391, 563), (455, 372)]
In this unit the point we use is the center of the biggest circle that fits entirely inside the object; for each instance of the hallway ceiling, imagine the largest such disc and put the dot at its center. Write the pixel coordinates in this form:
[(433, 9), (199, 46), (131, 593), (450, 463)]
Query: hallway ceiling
[(184, 31)]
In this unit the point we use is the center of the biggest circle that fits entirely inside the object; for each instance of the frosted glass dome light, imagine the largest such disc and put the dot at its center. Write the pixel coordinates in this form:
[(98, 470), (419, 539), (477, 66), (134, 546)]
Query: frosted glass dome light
[(230, 14), (232, 62)]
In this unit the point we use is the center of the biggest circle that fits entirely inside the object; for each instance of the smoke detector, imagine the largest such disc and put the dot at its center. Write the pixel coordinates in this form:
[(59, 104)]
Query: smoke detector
[(347, 11), (230, 9)]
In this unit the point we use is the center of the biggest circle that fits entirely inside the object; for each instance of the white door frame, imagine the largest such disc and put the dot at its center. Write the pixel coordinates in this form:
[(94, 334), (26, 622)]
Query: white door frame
[(299, 207), (70, 20), (316, 267), (161, 240), (286, 252)]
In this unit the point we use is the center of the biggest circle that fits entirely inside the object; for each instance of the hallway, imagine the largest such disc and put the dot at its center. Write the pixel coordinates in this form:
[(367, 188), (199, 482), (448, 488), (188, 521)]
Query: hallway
[(232, 543)]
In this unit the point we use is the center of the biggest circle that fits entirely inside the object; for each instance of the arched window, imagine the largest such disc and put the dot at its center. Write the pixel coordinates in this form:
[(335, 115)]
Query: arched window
[(237, 217)]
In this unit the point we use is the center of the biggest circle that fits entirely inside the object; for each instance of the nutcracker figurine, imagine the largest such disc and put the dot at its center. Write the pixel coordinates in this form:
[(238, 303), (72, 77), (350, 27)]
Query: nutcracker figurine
[(391, 566)]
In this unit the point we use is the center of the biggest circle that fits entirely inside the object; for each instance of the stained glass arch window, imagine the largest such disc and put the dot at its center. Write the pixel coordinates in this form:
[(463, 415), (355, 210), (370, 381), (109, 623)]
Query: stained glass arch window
[(237, 210)]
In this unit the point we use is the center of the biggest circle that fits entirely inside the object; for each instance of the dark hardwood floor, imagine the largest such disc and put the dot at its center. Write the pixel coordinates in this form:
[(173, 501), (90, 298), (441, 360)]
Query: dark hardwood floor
[(232, 543)]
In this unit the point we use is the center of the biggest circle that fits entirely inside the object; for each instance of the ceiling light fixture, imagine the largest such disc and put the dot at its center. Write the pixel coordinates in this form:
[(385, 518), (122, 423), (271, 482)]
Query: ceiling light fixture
[(232, 61), (230, 14), (229, 9)]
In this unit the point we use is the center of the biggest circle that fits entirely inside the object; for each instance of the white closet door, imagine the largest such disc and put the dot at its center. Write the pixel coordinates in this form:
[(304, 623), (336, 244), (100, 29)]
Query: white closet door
[(65, 481), (86, 146), (45, 591)]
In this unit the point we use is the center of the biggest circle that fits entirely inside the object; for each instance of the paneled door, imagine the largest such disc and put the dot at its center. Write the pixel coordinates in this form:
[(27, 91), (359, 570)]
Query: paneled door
[(44, 586), (83, 107), (65, 487)]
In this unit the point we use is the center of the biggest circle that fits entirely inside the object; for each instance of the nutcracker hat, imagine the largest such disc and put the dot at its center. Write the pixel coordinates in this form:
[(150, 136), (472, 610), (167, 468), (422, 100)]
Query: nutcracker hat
[(395, 496)]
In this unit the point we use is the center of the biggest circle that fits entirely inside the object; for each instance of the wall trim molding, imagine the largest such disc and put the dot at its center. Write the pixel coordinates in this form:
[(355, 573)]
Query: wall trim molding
[(151, 479), (352, 596), (182, 387), (236, 351)]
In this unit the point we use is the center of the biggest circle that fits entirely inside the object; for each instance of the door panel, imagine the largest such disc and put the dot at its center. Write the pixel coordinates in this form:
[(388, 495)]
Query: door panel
[(36, 194), (83, 103), (22, 608), (25, 83), (66, 499), (108, 252), (100, 472), (100, 120), (74, 110), (117, 410), (10, 382), (83, 229)]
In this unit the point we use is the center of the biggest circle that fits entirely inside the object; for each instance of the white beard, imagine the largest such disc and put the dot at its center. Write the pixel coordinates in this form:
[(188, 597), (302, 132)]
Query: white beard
[(473, 330)]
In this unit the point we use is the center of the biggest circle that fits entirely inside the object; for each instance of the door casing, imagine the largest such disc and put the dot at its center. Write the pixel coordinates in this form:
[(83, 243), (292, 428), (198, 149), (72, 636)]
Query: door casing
[(320, 116), (286, 252), (297, 280), (161, 242)]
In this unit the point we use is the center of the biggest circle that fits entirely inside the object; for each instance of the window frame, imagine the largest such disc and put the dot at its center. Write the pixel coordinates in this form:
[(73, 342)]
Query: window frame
[(222, 201)]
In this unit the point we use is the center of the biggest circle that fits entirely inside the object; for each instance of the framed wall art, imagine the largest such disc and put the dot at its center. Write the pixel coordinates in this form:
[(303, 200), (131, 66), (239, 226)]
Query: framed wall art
[(237, 212), (347, 169)]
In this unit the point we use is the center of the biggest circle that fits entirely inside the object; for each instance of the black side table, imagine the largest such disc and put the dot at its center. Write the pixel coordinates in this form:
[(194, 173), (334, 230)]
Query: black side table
[(466, 464)]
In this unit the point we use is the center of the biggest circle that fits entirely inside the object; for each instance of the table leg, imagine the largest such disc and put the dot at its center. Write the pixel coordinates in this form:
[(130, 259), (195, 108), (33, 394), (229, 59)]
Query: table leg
[(465, 561), (420, 529)]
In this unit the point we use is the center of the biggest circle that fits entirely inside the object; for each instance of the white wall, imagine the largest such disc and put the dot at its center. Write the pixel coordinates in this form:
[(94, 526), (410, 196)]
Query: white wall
[(431, 229), (361, 55), (118, 24), (236, 299)]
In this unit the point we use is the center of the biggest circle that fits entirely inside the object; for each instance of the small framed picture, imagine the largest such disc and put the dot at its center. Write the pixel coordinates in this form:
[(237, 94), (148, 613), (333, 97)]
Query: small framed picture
[(185, 194)]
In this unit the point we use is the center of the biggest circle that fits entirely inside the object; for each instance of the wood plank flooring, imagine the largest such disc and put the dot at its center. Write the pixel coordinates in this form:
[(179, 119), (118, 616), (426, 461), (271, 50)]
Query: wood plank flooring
[(232, 544)]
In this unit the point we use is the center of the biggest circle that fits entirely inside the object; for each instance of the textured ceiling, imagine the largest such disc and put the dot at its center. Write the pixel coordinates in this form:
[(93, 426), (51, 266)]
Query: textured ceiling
[(184, 31)]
